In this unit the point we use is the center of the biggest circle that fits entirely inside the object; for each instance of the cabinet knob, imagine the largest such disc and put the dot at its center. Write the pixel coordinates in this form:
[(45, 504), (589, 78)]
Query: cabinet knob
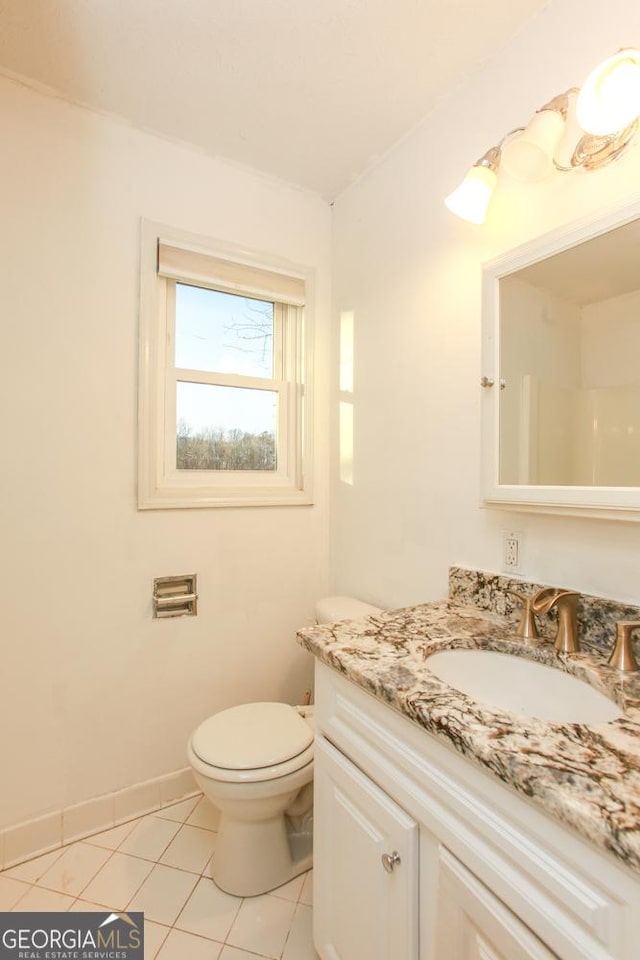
[(390, 860)]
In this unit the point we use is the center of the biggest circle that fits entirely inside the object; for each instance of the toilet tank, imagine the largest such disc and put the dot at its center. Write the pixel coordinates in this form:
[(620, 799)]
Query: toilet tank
[(330, 609)]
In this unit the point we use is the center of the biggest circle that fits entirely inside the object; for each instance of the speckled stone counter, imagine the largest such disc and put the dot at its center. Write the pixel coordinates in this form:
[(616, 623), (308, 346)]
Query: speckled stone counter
[(586, 776), (494, 593)]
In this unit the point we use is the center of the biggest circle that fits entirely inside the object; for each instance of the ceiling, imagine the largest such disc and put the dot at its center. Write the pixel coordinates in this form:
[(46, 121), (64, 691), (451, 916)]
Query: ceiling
[(310, 91)]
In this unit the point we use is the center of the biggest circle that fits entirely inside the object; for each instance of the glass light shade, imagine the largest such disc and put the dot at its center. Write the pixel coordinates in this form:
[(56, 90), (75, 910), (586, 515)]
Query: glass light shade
[(471, 199), (529, 156), (610, 96), (571, 134)]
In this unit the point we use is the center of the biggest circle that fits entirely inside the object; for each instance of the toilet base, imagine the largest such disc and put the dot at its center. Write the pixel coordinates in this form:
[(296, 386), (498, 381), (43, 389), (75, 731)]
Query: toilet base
[(266, 822), (285, 854)]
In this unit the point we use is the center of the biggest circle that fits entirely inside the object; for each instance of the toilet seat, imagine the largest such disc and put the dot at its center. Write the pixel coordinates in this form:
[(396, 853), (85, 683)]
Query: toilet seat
[(257, 775), (253, 742)]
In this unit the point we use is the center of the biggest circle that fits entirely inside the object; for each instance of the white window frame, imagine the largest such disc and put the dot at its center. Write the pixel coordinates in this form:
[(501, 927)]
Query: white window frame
[(160, 483)]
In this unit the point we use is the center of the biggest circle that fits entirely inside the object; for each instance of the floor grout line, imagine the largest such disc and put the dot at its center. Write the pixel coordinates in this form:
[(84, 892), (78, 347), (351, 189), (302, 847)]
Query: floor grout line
[(42, 886), (5, 871), (196, 876)]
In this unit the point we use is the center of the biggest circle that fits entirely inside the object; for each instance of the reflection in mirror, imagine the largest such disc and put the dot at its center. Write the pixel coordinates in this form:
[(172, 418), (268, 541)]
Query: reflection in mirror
[(570, 362)]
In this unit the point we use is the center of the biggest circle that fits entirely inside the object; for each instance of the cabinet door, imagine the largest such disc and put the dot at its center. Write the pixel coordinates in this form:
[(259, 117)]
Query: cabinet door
[(362, 909), (472, 924)]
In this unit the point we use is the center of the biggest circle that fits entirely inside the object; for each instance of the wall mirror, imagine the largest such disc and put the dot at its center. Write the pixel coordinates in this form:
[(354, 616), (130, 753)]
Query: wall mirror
[(561, 371)]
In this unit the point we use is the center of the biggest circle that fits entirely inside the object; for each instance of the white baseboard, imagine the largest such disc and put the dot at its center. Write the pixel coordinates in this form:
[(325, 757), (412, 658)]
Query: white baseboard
[(42, 834)]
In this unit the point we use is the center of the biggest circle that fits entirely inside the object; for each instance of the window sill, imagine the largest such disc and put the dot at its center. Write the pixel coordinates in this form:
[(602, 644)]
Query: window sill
[(179, 499)]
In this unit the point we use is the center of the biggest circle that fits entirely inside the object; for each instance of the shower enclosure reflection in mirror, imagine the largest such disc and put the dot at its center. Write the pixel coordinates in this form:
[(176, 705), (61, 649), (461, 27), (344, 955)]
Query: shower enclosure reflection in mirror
[(561, 371)]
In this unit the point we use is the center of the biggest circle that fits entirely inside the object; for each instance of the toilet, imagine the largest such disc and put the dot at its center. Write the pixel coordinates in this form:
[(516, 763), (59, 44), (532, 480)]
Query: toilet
[(254, 763)]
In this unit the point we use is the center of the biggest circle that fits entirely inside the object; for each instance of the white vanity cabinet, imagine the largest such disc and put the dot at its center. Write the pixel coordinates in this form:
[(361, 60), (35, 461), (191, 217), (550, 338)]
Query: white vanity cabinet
[(479, 873), (472, 924), (367, 906)]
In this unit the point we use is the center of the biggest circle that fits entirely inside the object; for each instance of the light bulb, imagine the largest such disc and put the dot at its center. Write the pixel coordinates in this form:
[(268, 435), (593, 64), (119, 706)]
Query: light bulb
[(610, 96)]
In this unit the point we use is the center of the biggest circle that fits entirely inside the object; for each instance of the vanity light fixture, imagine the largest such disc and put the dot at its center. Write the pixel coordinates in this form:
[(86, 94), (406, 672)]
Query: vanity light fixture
[(529, 156), (584, 128), (610, 96), (472, 198)]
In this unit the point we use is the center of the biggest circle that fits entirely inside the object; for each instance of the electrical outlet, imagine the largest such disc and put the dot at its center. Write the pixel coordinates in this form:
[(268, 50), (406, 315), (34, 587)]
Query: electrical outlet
[(511, 551)]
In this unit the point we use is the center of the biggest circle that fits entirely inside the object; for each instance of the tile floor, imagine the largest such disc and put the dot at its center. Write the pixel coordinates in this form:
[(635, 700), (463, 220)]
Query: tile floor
[(160, 864)]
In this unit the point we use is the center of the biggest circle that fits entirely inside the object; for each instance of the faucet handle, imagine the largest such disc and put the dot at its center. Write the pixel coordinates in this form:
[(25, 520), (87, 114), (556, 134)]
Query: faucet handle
[(548, 597), (567, 603), (527, 627), (623, 658)]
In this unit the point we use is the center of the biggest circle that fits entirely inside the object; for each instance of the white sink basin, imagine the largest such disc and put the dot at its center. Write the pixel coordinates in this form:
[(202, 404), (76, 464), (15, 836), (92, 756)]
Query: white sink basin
[(522, 686)]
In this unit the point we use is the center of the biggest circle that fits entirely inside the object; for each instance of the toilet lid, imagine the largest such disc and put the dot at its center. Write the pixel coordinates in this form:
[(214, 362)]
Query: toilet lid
[(251, 736)]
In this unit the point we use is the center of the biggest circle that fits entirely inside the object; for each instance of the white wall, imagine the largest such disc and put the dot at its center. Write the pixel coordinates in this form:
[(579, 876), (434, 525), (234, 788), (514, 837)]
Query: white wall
[(95, 695), (410, 272)]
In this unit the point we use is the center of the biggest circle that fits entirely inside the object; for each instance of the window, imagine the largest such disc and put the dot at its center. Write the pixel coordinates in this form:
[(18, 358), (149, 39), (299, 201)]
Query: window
[(224, 410)]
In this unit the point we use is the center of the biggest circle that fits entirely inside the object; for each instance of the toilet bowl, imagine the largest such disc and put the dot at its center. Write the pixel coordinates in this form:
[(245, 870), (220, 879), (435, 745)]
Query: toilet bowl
[(254, 762)]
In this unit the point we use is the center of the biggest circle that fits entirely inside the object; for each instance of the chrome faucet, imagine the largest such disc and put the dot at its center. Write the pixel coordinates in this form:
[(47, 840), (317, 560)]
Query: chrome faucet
[(566, 601)]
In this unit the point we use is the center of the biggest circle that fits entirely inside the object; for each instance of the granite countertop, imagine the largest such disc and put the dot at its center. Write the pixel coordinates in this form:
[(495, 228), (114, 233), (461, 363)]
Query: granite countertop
[(588, 776)]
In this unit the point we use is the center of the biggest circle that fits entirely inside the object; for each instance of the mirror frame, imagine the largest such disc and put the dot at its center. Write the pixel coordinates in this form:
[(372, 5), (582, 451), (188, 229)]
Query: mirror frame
[(613, 503)]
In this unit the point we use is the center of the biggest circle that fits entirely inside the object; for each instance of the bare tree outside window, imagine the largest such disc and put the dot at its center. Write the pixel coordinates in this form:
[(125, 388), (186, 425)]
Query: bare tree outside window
[(224, 428), (219, 449), (254, 332)]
